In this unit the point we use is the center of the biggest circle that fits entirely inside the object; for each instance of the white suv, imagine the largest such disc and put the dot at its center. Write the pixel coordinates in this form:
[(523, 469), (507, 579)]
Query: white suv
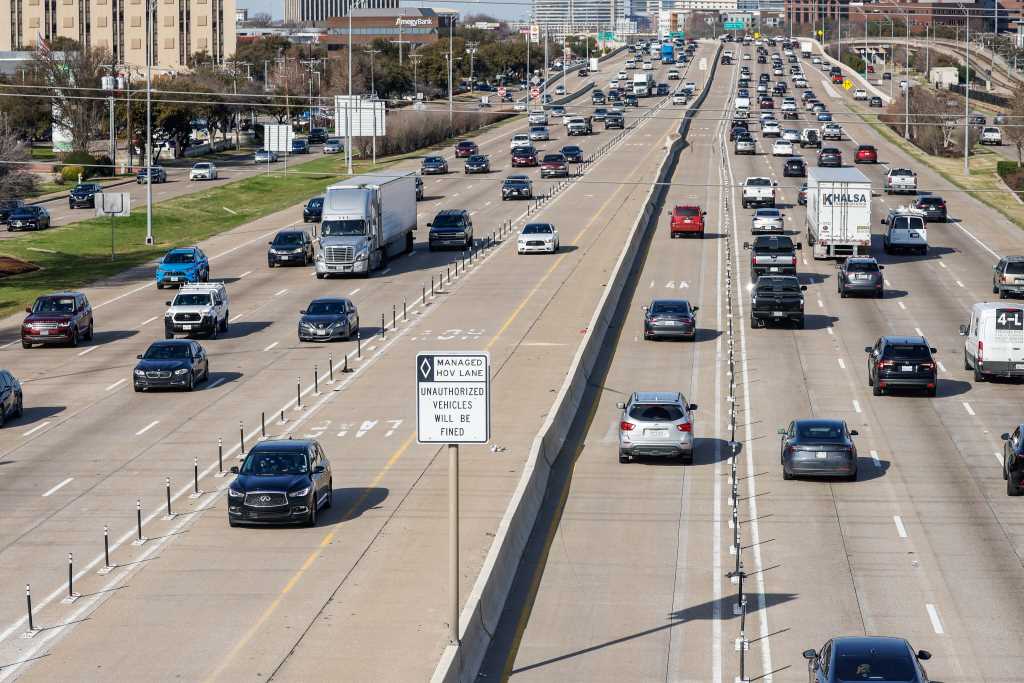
[(204, 170), (201, 308), (520, 140), (990, 135)]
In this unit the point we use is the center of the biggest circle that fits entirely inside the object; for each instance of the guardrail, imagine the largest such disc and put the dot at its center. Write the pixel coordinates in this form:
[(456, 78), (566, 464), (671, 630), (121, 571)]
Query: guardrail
[(482, 612)]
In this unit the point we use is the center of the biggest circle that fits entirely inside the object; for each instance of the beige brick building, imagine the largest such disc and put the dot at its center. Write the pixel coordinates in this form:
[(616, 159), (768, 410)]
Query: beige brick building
[(181, 27)]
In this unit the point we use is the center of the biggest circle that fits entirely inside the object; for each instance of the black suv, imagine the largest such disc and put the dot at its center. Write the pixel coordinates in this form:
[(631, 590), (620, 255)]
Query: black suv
[(860, 275), (903, 362), (313, 211), (516, 187), (317, 136), (290, 247), (830, 156), (794, 168), (933, 207), (83, 195), (11, 398), (451, 228), (281, 481)]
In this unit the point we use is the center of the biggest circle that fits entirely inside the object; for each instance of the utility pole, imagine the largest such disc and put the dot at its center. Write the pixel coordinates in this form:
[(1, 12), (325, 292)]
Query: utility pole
[(471, 49), (451, 65), (967, 91), (373, 87), (415, 62)]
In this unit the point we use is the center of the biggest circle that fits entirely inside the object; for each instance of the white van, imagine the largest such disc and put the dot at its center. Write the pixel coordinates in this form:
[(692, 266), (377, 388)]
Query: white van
[(994, 345), (741, 103), (906, 231)]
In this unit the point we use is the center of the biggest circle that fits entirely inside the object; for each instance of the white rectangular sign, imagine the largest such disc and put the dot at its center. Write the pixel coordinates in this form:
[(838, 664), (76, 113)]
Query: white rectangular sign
[(368, 117), (453, 397), (278, 138), (113, 204)]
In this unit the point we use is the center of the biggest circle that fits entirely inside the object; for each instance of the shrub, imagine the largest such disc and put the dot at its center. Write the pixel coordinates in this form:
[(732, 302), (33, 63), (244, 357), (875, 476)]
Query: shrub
[(85, 162), (70, 173), (104, 166), (1005, 168)]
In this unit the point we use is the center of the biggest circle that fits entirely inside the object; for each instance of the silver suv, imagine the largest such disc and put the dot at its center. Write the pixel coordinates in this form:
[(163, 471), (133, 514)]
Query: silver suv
[(656, 423)]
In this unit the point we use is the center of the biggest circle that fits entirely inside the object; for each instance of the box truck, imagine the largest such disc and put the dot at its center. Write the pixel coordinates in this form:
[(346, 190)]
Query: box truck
[(838, 212), (366, 220), (805, 48)]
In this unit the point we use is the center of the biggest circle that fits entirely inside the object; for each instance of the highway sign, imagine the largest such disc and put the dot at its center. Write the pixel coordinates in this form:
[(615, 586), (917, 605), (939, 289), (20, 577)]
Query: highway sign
[(677, 34), (453, 397), (605, 35), (734, 26), (368, 117), (113, 204), (847, 84), (278, 138)]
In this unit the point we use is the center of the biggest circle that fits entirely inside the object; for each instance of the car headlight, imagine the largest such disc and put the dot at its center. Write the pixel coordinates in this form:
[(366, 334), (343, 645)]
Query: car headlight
[(232, 493), (140, 373), (182, 371), (301, 493)]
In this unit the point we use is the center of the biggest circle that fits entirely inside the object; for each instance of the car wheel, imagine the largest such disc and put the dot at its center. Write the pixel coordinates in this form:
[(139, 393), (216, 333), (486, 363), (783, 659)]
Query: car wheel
[(311, 520), (880, 294), (871, 380), (191, 383), (25, 344), (88, 332), (74, 338), (20, 409), (842, 293), (137, 387), (159, 286), (876, 390), (967, 366), (852, 477), (1006, 476), (329, 503), (623, 457), (1013, 488), (786, 475), (224, 324), (978, 375), (932, 391), (232, 523), (800, 323), (995, 289), (1002, 294), (320, 276)]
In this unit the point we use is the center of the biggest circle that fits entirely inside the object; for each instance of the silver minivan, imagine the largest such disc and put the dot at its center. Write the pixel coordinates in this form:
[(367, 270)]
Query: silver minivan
[(656, 423)]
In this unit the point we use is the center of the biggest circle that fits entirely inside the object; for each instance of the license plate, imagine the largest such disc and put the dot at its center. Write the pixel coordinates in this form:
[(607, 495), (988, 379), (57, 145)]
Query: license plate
[(285, 258), (821, 455), (773, 269), (1019, 366), (186, 327), (322, 333), (906, 368), (776, 314), (44, 332), (174, 278), (656, 433)]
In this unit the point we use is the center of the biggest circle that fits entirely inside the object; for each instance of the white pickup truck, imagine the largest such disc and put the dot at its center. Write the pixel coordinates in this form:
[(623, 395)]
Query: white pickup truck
[(990, 135), (198, 308), (758, 191), (900, 181)]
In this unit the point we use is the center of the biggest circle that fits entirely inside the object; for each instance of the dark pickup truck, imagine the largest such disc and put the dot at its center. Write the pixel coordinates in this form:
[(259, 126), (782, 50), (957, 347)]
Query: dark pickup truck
[(772, 255), (777, 298)]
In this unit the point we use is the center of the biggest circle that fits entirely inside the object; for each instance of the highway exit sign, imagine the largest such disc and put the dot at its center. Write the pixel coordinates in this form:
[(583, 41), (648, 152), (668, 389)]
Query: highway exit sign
[(734, 26), (453, 397)]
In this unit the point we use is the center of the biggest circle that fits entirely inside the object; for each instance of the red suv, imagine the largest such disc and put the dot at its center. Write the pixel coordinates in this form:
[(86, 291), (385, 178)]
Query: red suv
[(686, 220), (61, 318), (866, 154), (465, 148)]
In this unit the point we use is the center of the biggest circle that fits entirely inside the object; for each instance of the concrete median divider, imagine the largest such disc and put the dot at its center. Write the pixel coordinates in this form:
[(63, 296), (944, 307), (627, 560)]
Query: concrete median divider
[(482, 611)]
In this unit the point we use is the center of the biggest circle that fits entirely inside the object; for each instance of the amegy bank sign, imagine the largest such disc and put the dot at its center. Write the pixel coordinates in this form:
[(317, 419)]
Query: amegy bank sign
[(413, 22)]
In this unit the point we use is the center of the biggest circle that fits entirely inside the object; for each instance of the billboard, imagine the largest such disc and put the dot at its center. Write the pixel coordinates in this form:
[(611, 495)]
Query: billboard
[(367, 117)]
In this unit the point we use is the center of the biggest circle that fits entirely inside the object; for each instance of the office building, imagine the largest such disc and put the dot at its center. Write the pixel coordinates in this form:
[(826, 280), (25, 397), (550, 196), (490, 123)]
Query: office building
[(406, 26), (181, 28), (573, 15), (322, 10)]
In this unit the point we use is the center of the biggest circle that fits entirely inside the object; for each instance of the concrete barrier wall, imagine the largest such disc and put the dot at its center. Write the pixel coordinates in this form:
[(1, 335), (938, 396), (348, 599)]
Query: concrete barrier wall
[(482, 611)]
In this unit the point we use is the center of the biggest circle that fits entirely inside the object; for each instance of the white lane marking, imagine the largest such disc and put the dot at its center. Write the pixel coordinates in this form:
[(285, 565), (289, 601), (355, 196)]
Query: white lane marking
[(36, 429), (270, 346), (88, 350), (942, 368), (117, 384), (8, 344), (918, 331), (236, 317), (829, 330), (980, 243), (856, 405), (216, 383), (148, 320), (900, 529), (244, 274), (968, 408), (821, 304), (933, 616), (280, 292), (999, 458), (959, 284), (145, 429), (874, 458), (355, 291), (58, 487), (841, 363), (942, 265), (901, 305)]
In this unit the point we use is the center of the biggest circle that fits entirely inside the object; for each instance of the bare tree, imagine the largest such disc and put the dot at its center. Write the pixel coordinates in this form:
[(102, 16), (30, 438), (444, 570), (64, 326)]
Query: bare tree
[(75, 76), (15, 180), (1014, 127)]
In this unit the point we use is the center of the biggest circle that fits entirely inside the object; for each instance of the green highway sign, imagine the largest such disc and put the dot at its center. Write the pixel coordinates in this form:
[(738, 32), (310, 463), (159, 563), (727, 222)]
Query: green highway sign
[(606, 35), (677, 34), (734, 26)]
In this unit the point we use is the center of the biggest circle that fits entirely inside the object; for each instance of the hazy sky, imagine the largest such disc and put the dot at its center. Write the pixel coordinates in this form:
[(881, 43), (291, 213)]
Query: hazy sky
[(513, 9)]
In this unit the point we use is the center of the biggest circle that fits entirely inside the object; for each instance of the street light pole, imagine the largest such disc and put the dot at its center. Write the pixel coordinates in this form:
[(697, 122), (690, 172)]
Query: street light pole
[(348, 103), (451, 65), (373, 85), (149, 121), (967, 91)]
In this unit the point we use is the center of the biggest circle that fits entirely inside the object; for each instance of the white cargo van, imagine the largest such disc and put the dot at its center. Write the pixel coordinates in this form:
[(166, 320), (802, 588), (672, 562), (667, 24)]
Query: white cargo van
[(994, 345), (906, 231)]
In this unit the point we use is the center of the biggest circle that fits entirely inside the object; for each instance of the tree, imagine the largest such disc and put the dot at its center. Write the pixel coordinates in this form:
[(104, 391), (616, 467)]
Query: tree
[(15, 181), (25, 116), (75, 77), (1014, 128), (260, 20)]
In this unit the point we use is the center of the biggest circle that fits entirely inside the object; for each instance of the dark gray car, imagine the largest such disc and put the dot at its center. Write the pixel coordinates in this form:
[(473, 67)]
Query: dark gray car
[(818, 448), (860, 276), (328, 319), (674, 318)]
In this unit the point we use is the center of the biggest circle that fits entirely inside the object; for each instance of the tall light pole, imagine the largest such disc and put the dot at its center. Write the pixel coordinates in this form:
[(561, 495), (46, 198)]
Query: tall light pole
[(967, 90), (415, 62), (149, 121), (373, 85), (471, 49), (451, 65)]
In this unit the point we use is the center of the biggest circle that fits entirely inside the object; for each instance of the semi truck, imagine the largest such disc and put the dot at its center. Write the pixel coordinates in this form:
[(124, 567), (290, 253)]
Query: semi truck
[(366, 220), (643, 84), (838, 213), (805, 48), (668, 54)]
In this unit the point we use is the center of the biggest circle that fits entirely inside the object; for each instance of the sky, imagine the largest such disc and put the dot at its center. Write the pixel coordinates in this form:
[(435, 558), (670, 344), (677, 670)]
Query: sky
[(512, 10)]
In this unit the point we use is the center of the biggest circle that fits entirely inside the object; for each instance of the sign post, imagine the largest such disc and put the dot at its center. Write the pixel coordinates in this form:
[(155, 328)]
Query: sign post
[(453, 406), (113, 204)]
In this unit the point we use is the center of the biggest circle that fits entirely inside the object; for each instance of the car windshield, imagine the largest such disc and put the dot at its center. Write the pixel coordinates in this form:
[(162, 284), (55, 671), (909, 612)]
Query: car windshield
[(326, 308), (871, 665), (180, 257), (334, 141), (192, 300), (1015, 268), (343, 228), (201, 167), (819, 432), (274, 464), (779, 287), (476, 159), (447, 220), (315, 203), (907, 352), (167, 352), (54, 304), (515, 182), (670, 308), (288, 239), (767, 213), (861, 267), (930, 201), (522, 151), (553, 157), (571, 150), (537, 229), (655, 412), (432, 160)]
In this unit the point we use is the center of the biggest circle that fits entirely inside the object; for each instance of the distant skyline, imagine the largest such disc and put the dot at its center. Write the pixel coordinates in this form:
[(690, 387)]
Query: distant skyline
[(275, 8)]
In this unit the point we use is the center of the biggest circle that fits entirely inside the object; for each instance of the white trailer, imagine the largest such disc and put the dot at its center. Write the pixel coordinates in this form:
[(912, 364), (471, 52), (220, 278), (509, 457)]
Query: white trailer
[(838, 213), (805, 48), (594, 63)]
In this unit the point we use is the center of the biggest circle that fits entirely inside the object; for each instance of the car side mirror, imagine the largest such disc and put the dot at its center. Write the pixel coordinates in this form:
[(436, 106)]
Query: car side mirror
[(924, 654), (963, 330), (854, 432), (692, 407), (28, 310), (620, 405), (881, 267), (234, 469), (302, 312), (319, 469), (800, 246), (695, 309), (781, 431), (803, 288), (167, 303), (271, 243), (139, 356), (1005, 436), (810, 654), (746, 245), (882, 221), (933, 349), (868, 349)]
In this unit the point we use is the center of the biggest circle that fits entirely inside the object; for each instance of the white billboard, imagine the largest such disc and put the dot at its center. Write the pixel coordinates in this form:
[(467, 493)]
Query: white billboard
[(367, 117)]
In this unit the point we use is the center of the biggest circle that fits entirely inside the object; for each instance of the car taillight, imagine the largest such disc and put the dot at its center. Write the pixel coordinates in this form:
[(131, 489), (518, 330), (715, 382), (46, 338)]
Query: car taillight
[(927, 365), (626, 426), (685, 427), (794, 261), (981, 349), (884, 364)]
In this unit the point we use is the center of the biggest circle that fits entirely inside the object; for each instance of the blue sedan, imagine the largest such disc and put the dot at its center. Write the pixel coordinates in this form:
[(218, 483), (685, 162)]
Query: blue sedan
[(866, 658), (182, 265)]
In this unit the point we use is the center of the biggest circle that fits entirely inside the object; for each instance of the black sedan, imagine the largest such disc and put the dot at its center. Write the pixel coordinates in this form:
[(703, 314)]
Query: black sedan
[(290, 247), (795, 168), (516, 187), (28, 218), (866, 658), (933, 207), (674, 318), (11, 397), (7, 206), (328, 319), (313, 211), (1013, 460), (737, 131), (830, 156), (171, 364), (897, 362), (159, 175), (818, 447), (434, 166), (860, 275), (83, 196), (572, 154), (631, 100), (477, 163), (281, 481)]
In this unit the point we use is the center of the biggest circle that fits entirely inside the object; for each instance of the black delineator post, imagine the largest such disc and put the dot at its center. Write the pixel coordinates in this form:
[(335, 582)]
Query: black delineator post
[(71, 575), (449, 269), (167, 488), (195, 476), (241, 438), (423, 295), (405, 309), (359, 344), (431, 286), (106, 546), (220, 456), (298, 393), (394, 316), (263, 424), (330, 367), (139, 540), (316, 380), (382, 326), (28, 602), (345, 369)]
